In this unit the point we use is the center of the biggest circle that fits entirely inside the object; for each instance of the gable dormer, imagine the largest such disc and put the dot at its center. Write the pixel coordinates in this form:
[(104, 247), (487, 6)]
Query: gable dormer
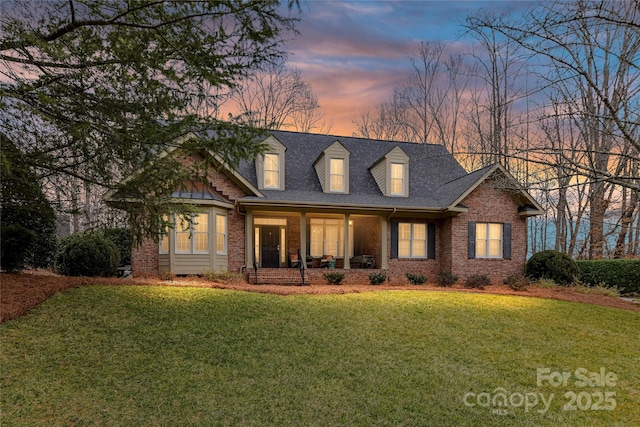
[(332, 167), (270, 167), (391, 173)]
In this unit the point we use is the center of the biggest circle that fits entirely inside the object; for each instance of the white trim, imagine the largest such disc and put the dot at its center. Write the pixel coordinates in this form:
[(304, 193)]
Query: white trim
[(412, 239), (487, 245)]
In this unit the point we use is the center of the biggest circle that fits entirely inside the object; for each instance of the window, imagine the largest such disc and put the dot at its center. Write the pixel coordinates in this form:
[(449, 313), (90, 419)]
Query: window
[(327, 237), (488, 240), (164, 235), (221, 234), (412, 240), (397, 179), (271, 171), (336, 175), (192, 236)]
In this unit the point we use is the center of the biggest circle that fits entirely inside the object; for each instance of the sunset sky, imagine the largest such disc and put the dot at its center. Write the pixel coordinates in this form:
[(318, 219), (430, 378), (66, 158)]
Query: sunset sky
[(355, 52)]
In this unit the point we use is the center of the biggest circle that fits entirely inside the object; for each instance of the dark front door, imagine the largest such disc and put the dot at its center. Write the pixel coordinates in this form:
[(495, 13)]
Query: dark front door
[(270, 246)]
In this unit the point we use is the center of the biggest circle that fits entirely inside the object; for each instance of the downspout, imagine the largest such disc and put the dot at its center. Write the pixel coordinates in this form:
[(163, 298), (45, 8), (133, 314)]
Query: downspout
[(392, 214)]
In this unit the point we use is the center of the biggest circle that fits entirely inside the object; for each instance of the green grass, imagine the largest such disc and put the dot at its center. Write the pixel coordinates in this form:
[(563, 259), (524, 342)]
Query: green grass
[(181, 356)]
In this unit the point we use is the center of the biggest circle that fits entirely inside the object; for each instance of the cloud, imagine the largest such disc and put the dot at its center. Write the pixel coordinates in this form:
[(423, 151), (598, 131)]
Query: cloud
[(355, 52)]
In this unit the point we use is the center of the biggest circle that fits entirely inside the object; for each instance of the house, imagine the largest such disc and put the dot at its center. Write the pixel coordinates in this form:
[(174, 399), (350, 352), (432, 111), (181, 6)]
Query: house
[(408, 207)]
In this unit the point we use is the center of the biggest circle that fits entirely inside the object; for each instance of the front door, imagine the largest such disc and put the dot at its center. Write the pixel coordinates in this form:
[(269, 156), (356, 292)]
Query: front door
[(270, 246)]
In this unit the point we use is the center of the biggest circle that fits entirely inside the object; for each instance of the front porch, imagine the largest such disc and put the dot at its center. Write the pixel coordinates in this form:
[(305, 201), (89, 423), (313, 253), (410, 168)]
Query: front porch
[(312, 276), (278, 240)]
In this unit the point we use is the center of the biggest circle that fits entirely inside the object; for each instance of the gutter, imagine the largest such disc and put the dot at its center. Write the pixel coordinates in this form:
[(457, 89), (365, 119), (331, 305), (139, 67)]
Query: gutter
[(299, 205)]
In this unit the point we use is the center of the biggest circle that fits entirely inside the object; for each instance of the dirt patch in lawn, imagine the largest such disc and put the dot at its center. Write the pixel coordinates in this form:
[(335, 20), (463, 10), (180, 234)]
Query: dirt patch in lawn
[(19, 293)]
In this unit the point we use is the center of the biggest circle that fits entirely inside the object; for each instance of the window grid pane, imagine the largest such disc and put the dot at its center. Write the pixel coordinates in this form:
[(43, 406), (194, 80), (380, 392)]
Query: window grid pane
[(397, 178), (221, 234), (404, 248), (488, 240), (412, 240), (271, 170), (327, 237), (336, 175), (200, 228), (164, 236), (337, 183), (183, 242)]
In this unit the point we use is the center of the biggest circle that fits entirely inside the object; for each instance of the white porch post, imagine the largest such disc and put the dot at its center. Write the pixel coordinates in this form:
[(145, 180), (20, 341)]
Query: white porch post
[(303, 237), (347, 239), (249, 250), (383, 244)]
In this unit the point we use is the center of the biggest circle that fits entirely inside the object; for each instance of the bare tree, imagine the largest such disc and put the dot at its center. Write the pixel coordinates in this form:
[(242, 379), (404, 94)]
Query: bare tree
[(592, 62), (427, 106), (499, 84), (277, 97)]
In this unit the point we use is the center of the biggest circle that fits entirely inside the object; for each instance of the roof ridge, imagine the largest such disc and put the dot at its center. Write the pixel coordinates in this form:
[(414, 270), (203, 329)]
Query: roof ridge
[(470, 173), (356, 137)]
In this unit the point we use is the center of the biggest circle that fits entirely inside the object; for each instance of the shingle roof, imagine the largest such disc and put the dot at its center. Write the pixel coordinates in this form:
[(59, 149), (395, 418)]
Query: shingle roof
[(435, 177)]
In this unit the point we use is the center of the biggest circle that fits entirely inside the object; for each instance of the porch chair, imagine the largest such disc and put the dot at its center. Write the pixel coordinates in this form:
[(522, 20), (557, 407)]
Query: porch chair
[(294, 261)]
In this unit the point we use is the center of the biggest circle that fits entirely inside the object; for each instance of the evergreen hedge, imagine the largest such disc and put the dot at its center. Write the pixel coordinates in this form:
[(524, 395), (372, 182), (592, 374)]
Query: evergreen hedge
[(621, 273)]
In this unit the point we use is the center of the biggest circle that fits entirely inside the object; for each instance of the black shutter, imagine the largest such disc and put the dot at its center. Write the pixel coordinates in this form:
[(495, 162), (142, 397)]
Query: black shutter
[(394, 240), (506, 241), (431, 241), (472, 240)]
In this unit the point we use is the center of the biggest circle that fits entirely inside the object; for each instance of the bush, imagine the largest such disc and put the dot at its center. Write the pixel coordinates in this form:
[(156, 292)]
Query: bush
[(377, 278), (477, 281), (517, 283), (553, 265), (334, 278), (121, 237), (546, 283), (222, 276), (446, 279), (416, 279), (624, 274), (87, 255), (15, 246)]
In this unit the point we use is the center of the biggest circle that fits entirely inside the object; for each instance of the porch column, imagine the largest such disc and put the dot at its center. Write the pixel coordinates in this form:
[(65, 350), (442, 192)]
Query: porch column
[(303, 238), (383, 244), (249, 250), (347, 239)]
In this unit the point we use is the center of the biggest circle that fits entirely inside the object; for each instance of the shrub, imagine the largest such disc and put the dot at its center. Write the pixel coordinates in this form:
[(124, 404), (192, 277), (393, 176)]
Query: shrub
[(416, 279), (446, 279), (83, 254), (624, 274), (546, 283), (167, 276), (121, 237), (377, 278), (552, 265), (334, 278), (477, 281), (222, 276), (517, 283), (15, 246)]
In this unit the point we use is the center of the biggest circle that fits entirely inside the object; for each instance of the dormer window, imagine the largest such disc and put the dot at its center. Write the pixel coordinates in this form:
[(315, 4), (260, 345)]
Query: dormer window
[(336, 178), (332, 167), (270, 166), (391, 173), (271, 171), (397, 179)]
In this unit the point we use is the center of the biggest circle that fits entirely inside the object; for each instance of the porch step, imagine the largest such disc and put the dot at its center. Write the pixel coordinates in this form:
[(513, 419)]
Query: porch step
[(275, 276)]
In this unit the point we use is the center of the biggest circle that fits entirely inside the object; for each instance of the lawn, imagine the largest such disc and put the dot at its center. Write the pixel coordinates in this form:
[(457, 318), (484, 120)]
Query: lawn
[(116, 355)]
